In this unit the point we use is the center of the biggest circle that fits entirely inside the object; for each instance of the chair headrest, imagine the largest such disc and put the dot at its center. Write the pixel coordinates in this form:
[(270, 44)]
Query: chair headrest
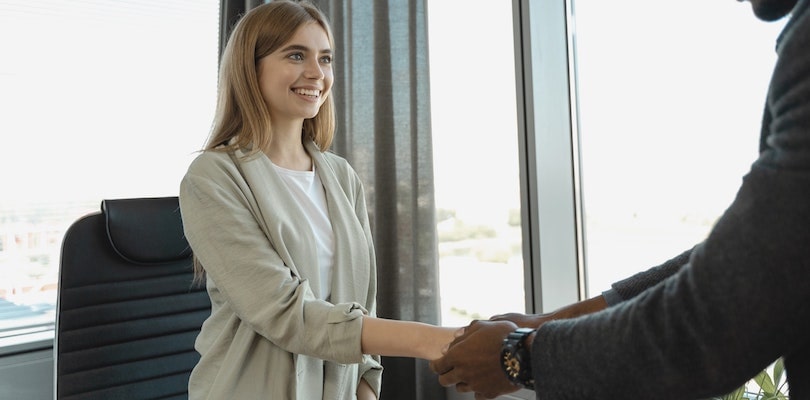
[(146, 230)]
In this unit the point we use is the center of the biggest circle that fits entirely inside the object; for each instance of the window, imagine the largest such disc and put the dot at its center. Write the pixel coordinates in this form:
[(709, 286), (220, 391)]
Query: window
[(99, 100), (669, 123), (475, 147), (670, 106), (649, 185)]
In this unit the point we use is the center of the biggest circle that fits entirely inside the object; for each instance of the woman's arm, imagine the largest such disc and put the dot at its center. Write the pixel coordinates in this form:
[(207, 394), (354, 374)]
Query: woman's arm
[(365, 392), (393, 338)]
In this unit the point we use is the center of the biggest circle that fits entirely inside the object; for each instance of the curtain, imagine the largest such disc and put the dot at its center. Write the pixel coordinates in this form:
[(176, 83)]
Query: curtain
[(229, 13), (383, 129)]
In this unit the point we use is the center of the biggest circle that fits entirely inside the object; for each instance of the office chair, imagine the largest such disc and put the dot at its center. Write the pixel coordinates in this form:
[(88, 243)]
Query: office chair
[(127, 310)]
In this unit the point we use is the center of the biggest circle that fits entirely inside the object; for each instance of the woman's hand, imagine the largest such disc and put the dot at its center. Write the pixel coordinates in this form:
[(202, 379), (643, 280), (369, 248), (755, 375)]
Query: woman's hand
[(437, 340), (473, 361)]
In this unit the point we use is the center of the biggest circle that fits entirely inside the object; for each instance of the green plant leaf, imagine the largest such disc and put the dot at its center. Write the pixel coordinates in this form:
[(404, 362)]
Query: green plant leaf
[(767, 389), (765, 383), (774, 396), (778, 370), (736, 394)]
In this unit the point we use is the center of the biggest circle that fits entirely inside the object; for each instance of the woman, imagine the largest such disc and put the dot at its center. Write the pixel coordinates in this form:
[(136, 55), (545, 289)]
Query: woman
[(281, 229)]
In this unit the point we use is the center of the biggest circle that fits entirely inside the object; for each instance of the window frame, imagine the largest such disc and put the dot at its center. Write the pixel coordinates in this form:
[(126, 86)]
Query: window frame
[(551, 205)]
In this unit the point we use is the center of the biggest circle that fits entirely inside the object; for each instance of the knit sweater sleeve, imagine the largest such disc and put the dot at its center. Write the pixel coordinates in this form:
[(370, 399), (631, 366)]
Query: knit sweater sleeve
[(634, 285)]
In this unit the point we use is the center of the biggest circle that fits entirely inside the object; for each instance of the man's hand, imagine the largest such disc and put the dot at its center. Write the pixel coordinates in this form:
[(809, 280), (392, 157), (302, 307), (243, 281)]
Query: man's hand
[(473, 360), (574, 310), (524, 320)]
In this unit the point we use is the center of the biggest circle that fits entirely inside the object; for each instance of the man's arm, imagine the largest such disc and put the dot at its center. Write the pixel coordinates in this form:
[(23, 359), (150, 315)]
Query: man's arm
[(631, 287), (574, 310)]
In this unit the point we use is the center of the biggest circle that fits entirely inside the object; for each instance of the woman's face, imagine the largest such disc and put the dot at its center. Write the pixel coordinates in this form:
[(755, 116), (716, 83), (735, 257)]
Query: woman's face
[(296, 79)]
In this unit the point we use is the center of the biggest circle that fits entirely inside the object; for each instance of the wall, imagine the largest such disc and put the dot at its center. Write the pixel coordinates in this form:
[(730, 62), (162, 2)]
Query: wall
[(26, 371)]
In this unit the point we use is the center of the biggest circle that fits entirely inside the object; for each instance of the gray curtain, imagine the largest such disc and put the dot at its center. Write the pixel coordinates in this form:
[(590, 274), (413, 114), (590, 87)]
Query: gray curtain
[(383, 110)]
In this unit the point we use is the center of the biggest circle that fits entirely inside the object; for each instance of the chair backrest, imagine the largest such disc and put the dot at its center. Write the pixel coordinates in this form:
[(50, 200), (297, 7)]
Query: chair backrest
[(128, 311)]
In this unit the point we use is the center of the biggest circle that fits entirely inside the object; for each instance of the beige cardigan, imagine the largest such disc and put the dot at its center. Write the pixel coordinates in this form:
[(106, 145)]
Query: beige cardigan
[(269, 336)]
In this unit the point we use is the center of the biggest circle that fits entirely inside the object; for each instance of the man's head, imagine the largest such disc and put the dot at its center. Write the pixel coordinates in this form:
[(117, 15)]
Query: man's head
[(771, 10)]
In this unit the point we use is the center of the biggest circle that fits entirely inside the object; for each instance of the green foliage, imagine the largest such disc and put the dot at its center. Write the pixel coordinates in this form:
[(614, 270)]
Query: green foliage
[(769, 386)]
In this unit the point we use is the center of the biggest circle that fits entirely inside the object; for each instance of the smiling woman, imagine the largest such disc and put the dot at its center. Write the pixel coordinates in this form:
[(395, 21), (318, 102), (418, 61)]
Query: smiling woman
[(279, 227)]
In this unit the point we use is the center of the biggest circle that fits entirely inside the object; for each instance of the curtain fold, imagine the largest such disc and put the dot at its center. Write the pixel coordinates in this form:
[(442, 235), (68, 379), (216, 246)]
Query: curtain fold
[(229, 13), (382, 98)]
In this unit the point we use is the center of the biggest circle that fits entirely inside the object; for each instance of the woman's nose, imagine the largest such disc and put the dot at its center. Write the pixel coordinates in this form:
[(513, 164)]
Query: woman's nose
[(314, 70)]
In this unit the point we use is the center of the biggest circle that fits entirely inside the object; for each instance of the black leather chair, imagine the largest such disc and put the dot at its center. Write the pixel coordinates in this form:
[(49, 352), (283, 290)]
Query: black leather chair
[(128, 311)]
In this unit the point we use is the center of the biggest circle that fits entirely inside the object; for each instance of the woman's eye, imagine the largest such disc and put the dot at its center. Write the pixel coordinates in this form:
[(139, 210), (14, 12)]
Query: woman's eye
[(296, 56), (326, 59)]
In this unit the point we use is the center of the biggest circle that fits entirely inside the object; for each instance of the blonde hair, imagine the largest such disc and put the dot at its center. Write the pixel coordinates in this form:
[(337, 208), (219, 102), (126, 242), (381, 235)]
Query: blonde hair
[(241, 111)]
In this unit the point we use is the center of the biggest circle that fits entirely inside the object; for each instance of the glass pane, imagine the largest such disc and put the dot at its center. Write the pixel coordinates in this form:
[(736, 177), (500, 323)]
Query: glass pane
[(100, 100), (475, 147), (670, 102)]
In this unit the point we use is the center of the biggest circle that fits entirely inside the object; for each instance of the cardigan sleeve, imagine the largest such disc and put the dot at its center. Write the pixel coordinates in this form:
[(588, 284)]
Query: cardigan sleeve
[(371, 368), (249, 276)]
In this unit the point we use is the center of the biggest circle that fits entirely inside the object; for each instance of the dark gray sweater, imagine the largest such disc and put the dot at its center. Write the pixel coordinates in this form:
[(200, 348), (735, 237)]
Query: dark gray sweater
[(709, 319)]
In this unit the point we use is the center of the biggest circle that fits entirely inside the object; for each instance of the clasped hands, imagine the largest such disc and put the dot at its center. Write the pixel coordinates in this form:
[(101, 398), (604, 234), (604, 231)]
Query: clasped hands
[(471, 362)]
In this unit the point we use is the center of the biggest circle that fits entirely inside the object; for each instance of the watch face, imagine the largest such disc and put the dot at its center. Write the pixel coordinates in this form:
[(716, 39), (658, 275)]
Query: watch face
[(516, 360), (512, 366)]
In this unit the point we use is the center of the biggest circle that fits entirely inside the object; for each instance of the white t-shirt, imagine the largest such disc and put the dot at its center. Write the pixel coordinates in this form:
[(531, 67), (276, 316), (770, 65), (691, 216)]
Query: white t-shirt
[(308, 189)]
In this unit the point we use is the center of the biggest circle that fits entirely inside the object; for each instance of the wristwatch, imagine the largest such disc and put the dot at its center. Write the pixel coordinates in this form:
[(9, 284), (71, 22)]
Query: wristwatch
[(516, 360)]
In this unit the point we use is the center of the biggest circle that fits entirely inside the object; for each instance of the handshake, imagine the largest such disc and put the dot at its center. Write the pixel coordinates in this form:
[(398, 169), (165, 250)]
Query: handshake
[(492, 358)]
